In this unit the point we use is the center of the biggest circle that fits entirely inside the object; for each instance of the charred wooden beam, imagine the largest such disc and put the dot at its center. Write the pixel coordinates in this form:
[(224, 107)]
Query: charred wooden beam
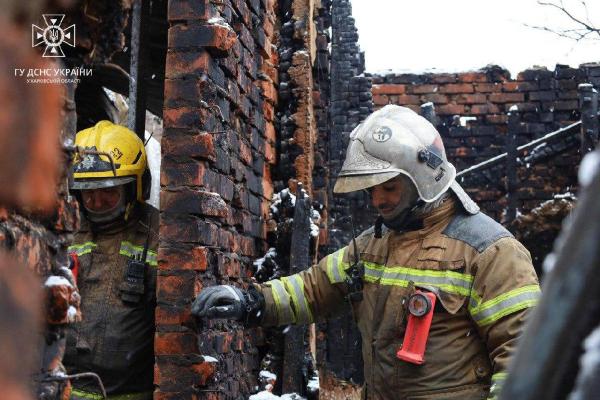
[(511, 164), (294, 348), (588, 103), (136, 119)]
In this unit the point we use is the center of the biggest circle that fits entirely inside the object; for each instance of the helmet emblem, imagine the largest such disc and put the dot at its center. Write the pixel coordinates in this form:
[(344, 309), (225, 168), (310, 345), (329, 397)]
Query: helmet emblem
[(382, 134), (88, 162)]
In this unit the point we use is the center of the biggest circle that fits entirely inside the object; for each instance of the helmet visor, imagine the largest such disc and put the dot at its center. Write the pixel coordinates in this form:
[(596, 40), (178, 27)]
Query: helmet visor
[(87, 184), (352, 183)]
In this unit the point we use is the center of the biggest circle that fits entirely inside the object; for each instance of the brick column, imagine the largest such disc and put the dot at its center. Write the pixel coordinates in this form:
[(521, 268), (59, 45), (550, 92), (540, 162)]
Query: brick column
[(218, 144)]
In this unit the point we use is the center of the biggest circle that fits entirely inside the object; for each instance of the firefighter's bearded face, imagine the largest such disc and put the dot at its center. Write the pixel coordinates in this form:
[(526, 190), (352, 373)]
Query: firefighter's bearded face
[(392, 197), (104, 205)]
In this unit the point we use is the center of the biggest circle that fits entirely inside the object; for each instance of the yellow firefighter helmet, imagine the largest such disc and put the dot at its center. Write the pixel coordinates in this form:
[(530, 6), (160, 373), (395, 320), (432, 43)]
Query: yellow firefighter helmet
[(94, 171)]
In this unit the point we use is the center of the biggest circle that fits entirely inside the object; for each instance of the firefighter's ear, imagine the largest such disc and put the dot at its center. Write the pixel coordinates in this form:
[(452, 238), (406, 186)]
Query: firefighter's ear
[(146, 184)]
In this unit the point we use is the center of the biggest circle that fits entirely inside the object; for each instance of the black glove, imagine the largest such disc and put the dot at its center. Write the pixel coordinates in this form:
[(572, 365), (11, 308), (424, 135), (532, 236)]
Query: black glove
[(224, 301)]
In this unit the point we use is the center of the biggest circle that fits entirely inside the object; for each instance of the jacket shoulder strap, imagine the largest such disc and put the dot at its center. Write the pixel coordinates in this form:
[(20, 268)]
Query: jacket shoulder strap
[(478, 230)]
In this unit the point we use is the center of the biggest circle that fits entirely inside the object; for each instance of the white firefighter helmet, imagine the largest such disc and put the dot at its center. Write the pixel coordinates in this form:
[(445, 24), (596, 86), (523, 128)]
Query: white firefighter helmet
[(395, 140)]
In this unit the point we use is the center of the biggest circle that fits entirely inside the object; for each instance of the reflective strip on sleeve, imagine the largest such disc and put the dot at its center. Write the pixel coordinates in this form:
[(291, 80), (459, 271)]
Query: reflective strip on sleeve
[(487, 312), (497, 382), (133, 251), (285, 314), (295, 287), (81, 249), (82, 394), (336, 267), (447, 281)]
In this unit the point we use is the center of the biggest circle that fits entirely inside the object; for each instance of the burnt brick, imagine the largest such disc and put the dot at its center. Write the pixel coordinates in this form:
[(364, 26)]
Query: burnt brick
[(470, 77), (186, 229), (190, 10), (422, 89), (457, 88), (177, 289), (480, 109), (471, 98), (487, 87), (450, 109), (193, 35), (175, 343), (444, 78), (435, 98), (177, 316), (507, 97), (194, 202), (197, 145), (181, 258), (182, 171), (197, 62), (389, 89), (404, 99), (542, 96)]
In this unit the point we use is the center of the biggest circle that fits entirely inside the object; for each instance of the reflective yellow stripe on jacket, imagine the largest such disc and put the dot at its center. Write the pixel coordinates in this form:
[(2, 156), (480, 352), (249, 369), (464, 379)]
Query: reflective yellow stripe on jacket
[(447, 281), (487, 312), (131, 250), (82, 394), (482, 312), (81, 249)]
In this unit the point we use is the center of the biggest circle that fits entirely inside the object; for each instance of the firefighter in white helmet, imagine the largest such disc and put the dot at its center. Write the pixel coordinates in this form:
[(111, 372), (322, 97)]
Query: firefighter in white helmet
[(430, 237), (114, 258)]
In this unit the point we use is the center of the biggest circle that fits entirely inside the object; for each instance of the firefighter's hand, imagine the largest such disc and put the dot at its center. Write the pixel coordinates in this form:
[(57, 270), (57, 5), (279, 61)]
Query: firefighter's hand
[(222, 301)]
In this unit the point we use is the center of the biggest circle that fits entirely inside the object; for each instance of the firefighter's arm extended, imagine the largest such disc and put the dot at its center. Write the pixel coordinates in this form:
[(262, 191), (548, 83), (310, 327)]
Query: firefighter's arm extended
[(505, 288), (301, 298)]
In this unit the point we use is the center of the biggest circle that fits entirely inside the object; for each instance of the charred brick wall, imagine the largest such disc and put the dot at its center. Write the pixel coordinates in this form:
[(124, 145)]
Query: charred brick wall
[(338, 347), (546, 101), (321, 101), (218, 146)]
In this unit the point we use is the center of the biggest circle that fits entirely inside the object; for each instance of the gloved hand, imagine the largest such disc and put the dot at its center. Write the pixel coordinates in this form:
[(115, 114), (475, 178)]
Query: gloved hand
[(224, 301)]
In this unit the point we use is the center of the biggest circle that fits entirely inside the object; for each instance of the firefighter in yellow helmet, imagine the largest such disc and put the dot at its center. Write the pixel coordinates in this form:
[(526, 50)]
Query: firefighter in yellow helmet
[(430, 242), (114, 259)]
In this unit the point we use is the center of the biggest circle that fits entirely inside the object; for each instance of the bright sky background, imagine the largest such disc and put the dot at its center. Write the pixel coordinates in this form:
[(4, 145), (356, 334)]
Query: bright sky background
[(460, 35)]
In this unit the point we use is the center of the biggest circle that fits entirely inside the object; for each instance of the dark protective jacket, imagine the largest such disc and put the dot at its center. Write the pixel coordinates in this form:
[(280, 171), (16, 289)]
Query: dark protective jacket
[(485, 284), (115, 339)]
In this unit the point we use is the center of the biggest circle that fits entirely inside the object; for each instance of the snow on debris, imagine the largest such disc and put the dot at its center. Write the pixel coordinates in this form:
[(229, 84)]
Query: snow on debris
[(292, 396), (313, 385), (219, 21), (55, 280), (258, 263), (267, 375), (264, 395), (72, 314), (209, 359)]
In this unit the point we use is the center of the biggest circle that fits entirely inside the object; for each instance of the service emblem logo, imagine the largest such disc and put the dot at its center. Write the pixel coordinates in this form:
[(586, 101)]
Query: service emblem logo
[(382, 134), (53, 35)]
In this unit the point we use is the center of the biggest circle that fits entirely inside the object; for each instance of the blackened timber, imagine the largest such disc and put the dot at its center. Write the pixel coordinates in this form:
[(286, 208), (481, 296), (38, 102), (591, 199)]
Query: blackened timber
[(294, 348), (588, 102), (136, 118), (511, 165)]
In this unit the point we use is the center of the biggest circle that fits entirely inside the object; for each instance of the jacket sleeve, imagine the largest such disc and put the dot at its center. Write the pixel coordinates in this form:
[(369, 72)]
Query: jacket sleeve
[(504, 289), (317, 293)]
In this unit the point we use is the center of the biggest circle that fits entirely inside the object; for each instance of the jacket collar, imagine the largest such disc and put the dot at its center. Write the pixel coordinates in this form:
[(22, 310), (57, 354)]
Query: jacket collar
[(433, 221)]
